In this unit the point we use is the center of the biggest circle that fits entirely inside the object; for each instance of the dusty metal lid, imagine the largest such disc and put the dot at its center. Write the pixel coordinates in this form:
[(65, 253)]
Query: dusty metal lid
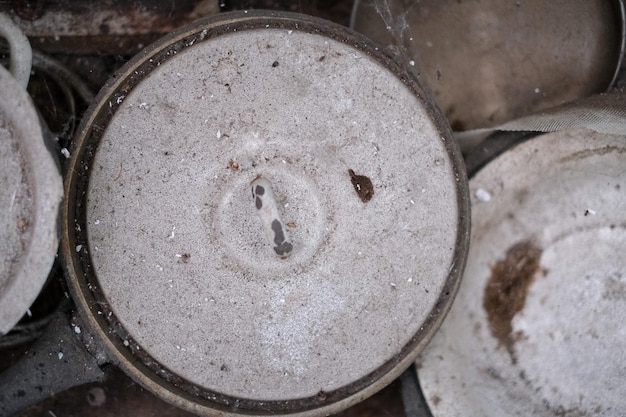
[(31, 195), (536, 328), (167, 250), (488, 62)]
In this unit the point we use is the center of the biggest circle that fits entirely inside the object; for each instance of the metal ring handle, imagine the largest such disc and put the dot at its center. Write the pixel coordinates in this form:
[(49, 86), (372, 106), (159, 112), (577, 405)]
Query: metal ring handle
[(19, 47)]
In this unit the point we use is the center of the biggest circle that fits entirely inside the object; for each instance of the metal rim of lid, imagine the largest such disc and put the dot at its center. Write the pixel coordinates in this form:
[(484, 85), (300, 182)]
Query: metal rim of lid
[(140, 366), (44, 179)]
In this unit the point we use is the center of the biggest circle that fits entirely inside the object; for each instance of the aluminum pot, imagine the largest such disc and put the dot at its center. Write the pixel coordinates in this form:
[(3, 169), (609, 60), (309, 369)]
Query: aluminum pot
[(31, 184), (488, 62), (354, 178), (535, 329)]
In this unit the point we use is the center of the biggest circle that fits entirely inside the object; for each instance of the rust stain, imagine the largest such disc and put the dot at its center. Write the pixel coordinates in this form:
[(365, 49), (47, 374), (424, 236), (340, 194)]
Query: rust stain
[(506, 290)]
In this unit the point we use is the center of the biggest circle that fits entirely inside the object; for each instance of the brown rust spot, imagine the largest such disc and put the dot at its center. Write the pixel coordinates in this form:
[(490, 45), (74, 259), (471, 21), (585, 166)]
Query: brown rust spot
[(362, 185), (506, 290)]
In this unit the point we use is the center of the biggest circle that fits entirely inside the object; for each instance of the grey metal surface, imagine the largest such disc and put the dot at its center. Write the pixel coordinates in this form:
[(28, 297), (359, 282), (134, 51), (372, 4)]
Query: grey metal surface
[(184, 278), (560, 196), (488, 62)]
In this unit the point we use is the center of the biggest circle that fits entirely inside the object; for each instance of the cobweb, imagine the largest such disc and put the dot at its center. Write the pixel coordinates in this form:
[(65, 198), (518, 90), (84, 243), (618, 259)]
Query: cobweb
[(394, 16)]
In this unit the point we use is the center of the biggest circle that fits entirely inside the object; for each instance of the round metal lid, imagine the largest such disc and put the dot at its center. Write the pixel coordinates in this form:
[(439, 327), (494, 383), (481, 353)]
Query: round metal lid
[(169, 251), (536, 328), (29, 206), (488, 62)]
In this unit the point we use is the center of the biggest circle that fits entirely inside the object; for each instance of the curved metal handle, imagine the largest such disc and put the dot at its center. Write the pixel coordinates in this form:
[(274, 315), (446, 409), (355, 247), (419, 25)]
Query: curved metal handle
[(19, 48), (58, 361)]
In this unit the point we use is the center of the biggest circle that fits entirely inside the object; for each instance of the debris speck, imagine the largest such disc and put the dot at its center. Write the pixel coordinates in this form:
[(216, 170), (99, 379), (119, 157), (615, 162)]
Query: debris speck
[(537, 90), (78, 248), (362, 185), (483, 195), (412, 63), (96, 397), (60, 355), (218, 134), (232, 164), (126, 343), (143, 105), (22, 225), (183, 257), (590, 211), (97, 222), (76, 329), (65, 153)]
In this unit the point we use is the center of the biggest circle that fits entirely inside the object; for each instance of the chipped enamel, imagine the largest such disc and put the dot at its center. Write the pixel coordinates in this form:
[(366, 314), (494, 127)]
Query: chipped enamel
[(267, 208)]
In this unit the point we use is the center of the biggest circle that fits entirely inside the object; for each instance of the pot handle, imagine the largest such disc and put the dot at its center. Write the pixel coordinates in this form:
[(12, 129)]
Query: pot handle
[(19, 48), (58, 361)]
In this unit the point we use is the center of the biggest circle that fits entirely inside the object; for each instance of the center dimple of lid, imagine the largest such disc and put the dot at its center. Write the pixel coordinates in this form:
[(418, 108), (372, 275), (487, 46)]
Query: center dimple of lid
[(176, 240)]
